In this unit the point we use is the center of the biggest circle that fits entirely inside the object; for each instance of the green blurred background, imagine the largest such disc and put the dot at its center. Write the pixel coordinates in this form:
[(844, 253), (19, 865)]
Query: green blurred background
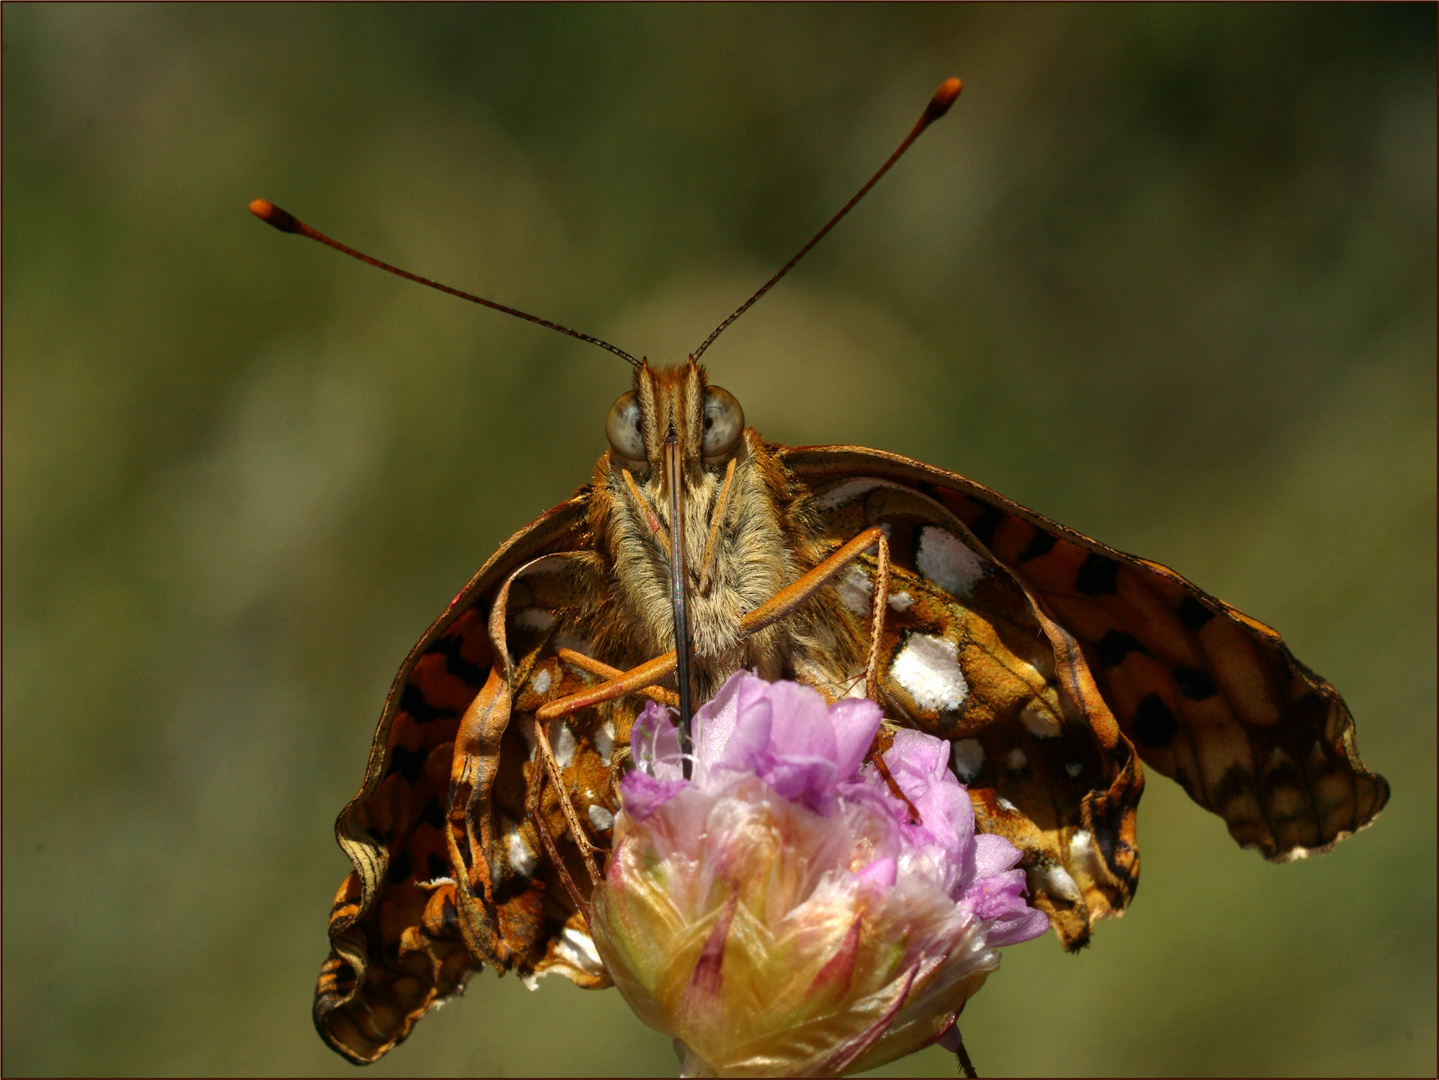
[(1166, 274)]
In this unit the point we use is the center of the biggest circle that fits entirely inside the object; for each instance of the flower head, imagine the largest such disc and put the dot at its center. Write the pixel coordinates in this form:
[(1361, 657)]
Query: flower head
[(780, 913)]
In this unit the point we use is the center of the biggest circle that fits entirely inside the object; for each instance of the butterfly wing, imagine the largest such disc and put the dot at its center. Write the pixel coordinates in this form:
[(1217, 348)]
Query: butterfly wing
[(1209, 696), (398, 928), (521, 880), (968, 654)]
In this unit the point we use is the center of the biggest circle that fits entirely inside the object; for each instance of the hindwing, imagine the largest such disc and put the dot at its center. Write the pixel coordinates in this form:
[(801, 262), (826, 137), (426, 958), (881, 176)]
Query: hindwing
[(1207, 695), (398, 930), (969, 655)]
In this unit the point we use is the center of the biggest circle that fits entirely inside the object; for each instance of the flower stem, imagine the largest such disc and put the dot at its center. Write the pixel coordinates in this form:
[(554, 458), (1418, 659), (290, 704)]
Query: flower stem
[(966, 1067)]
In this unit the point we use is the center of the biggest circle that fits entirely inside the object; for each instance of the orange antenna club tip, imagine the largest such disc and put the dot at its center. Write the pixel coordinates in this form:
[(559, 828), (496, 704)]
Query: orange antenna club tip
[(943, 99), (271, 214)]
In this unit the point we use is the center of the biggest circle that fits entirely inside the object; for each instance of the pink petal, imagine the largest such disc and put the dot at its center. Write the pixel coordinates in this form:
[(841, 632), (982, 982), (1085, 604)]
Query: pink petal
[(655, 742), (644, 794), (855, 722), (878, 875)]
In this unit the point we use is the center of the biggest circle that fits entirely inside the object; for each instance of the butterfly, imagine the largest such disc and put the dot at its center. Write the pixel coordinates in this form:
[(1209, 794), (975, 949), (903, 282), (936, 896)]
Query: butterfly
[(1058, 668)]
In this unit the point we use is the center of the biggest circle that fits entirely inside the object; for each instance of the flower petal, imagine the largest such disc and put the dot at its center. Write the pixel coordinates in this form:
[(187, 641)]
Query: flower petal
[(644, 794), (655, 742), (855, 720), (749, 737)]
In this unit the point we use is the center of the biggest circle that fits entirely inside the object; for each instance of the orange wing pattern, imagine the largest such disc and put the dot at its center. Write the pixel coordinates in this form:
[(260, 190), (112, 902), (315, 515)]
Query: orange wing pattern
[(396, 932), (521, 879), (1209, 696), (969, 655)]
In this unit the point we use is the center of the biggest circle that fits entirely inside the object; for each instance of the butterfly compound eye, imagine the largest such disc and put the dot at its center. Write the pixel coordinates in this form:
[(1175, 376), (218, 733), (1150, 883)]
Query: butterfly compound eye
[(624, 427), (723, 422)]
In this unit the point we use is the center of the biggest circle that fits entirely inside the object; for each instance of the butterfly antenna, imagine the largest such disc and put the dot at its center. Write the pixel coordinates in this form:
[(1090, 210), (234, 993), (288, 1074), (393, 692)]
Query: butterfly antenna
[(271, 214), (937, 107)]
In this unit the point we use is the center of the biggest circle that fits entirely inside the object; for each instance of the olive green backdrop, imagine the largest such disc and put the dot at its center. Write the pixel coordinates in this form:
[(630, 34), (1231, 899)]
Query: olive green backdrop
[(1165, 274)]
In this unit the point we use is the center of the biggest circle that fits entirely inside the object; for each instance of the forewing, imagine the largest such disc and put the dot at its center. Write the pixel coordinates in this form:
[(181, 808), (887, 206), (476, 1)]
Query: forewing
[(1209, 696), (396, 933)]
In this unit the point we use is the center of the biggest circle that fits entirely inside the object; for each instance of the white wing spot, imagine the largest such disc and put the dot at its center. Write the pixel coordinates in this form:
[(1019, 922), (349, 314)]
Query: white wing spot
[(605, 740), (855, 591), (1056, 881), (1039, 722), (1005, 804), (968, 758), (1073, 769), (1084, 856), (522, 859), (901, 601), (928, 667), (947, 561), (601, 818), (541, 682), (562, 742), (577, 949), (1015, 760)]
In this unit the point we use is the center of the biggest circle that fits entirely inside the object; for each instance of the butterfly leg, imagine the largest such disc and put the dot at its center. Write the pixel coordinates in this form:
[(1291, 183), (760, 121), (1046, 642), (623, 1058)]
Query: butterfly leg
[(599, 667), (629, 682), (876, 627), (532, 810), (802, 589), (871, 673), (788, 599), (781, 604), (572, 819)]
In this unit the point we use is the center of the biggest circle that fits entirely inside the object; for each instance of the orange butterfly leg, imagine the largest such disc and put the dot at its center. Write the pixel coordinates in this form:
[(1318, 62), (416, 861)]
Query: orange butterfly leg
[(599, 667), (783, 603), (792, 596), (532, 811), (871, 672), (721, 505), (876, 626), (632, 681), (572, 819)]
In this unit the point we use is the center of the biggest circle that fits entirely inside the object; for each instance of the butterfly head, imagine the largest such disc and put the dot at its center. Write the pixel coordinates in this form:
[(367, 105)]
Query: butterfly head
[(718, 520), (707, 421)]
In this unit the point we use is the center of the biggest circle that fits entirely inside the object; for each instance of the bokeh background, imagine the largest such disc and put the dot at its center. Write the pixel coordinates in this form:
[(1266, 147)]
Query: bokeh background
[(1166, 274)]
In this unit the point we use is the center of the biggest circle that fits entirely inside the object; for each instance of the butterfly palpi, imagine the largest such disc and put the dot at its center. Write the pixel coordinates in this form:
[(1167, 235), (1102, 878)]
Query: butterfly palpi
[(1053, 664)]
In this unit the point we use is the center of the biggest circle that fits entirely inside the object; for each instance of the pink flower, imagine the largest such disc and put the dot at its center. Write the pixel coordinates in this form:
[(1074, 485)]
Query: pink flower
[(780, 913)]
